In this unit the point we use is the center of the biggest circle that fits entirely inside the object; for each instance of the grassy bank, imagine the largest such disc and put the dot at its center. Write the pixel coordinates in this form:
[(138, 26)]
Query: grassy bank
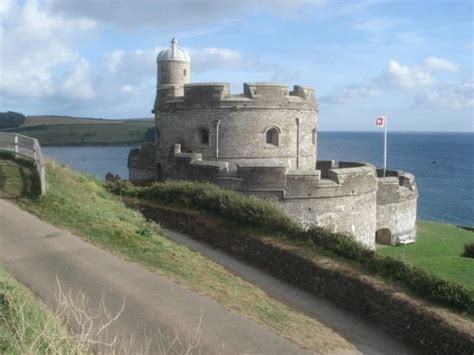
[(18, 177), (263, 216), (26, 325), (438, 249), (81, 204)]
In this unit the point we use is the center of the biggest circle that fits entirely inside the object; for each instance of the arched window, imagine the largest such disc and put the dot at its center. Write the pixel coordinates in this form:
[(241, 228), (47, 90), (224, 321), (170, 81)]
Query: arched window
[(272, 136), (203, 136)]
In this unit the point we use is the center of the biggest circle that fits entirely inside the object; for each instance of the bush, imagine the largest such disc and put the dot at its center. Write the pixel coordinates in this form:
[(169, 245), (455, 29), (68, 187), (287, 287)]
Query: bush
[(229, 204), (469, 250)]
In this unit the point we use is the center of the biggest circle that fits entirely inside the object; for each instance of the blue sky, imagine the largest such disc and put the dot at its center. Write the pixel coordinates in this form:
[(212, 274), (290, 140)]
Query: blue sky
[(96, 58)]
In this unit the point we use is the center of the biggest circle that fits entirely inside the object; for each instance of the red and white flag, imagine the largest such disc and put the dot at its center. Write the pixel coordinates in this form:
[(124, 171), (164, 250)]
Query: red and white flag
[(380, 122)]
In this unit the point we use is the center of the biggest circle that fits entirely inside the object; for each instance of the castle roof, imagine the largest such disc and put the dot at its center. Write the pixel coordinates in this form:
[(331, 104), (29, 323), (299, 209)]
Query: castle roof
[(174, 53)]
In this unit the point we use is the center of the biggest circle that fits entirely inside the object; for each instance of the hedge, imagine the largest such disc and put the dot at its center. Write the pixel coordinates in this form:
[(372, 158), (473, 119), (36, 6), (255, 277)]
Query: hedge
[(229, 204), (262, 214)]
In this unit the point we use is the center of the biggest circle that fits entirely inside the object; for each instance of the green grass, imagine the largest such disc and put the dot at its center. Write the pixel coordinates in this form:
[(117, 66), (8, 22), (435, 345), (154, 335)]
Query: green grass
[(438, 249), (18, 177), (26, 325), (116, 132), (81, 204)]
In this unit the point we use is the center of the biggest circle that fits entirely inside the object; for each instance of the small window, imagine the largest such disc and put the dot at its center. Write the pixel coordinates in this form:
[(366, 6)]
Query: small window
[(314, 136), (272, 136), (203, 136), (185, 72)]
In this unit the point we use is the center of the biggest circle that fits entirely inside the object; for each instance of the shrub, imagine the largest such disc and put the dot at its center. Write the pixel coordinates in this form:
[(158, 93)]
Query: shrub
[(469, 250), (229, 204)]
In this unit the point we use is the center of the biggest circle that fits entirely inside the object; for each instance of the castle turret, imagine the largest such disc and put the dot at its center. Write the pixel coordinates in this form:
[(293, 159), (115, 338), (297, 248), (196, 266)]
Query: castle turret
[(174, 70)]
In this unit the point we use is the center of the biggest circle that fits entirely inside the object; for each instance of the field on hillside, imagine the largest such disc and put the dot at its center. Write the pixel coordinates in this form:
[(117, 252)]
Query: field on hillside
[(438, 249), (67, 120), (64, 130), (125, 132)]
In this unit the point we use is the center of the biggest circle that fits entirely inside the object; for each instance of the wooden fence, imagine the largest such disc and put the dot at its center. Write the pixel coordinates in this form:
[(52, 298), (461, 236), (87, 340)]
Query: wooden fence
[(26, 147)]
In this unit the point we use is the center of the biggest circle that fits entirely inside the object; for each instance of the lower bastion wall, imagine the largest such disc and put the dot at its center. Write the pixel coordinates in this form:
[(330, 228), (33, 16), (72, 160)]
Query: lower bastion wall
[(345, 201), (397, 196)]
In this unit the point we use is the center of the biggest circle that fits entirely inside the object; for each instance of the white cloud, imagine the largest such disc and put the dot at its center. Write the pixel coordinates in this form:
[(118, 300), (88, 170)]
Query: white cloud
[(414, 81), (36, 57), (397, 76), (76, 83), (174, 14), (210, 58), (440, 64), (353, 92), (375, 24), (451, 95)]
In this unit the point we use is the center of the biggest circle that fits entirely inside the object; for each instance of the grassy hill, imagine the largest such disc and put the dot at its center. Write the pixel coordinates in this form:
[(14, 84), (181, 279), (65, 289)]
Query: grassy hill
[(65, 130)]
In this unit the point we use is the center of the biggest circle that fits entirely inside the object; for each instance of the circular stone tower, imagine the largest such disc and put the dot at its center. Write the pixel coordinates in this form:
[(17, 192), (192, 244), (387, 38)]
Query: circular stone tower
[(174, 66)]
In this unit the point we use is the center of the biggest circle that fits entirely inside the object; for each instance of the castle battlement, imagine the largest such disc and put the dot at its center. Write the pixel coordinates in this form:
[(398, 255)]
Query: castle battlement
[(396, 186), (344, 179), (202, 95)]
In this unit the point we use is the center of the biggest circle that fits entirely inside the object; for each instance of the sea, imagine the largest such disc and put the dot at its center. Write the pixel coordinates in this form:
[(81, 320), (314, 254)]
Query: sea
[(443, 164)]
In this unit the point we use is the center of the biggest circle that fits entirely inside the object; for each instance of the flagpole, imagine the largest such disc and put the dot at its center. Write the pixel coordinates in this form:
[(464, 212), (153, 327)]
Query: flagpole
[(385, 146)]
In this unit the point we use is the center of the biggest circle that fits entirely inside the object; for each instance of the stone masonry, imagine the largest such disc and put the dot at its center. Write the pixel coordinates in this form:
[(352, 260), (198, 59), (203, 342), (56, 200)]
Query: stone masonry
[(263, 142)]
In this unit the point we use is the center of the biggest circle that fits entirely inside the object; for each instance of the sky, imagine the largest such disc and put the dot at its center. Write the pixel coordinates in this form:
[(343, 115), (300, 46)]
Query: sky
[(97, 58)]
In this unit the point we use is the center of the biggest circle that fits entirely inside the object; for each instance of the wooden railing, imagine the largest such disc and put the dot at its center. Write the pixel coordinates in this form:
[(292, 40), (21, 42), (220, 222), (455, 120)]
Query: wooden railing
[(28, 148)]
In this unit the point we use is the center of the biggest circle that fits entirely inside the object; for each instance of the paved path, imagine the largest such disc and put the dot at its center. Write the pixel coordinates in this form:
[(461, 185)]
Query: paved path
[(38, 254), (365, 335)]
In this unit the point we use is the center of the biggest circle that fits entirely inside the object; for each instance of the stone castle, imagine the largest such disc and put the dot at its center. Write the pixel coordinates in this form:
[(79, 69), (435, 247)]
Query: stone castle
[(264, 143)]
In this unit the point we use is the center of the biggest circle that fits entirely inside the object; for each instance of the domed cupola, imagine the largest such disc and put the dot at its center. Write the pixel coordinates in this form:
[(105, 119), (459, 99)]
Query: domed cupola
[(174, 53), (174, 71)]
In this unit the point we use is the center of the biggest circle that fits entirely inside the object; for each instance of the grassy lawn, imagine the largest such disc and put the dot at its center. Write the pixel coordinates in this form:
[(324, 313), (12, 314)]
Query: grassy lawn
[(27, 326), (438, 249), (81, 204)]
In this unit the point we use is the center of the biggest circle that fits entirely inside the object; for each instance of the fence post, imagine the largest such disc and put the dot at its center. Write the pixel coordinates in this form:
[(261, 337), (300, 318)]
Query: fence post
[(15, 145), (42, 173)]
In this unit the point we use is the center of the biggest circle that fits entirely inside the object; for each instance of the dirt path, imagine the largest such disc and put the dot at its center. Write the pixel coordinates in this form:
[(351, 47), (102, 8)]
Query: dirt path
[(156, 309)]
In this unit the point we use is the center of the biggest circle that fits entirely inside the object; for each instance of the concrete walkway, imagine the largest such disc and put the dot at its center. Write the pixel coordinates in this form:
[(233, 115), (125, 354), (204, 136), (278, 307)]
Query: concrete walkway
[(156, 309)]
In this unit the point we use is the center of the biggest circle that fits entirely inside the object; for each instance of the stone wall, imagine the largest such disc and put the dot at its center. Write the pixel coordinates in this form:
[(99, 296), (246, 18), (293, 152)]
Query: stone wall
[(397, 196), (142, 167)]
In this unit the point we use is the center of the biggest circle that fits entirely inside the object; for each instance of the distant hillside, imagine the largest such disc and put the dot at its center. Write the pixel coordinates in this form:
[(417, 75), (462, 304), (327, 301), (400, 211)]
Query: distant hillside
[(64, 130)]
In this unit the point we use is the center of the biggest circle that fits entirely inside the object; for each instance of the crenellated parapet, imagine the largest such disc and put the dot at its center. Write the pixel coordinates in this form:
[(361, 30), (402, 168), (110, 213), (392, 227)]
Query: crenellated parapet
[(344, 201), (255, 95)]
